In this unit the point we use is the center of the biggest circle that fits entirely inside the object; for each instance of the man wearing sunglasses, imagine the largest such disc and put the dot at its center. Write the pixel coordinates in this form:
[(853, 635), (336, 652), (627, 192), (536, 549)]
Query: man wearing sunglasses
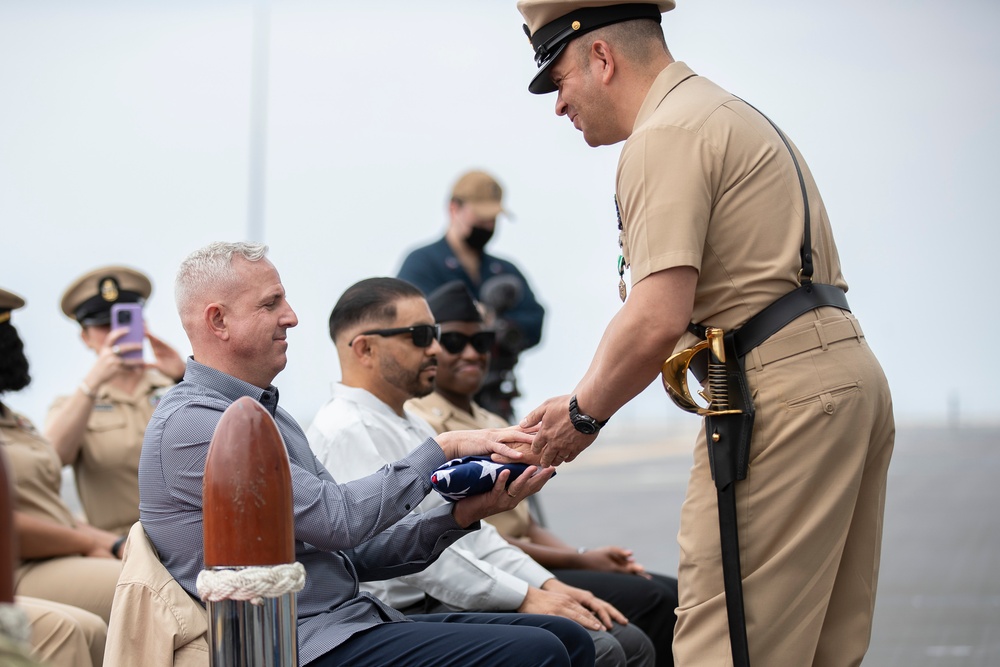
[(386, 340), (647, 599)]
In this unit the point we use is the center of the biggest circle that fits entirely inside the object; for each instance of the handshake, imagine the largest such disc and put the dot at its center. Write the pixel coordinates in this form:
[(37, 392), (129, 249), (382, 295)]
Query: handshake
[(489, 471)]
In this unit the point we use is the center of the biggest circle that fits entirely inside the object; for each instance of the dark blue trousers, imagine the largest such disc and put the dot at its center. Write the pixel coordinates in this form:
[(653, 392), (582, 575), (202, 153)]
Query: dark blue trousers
[(467, 640)]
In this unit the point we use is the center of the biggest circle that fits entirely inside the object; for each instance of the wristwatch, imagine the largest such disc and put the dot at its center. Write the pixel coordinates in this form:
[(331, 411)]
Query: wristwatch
[(583, 423)]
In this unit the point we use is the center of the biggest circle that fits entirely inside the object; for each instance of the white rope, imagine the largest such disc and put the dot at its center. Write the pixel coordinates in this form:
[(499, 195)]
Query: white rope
[(251, 583), (14, 623)]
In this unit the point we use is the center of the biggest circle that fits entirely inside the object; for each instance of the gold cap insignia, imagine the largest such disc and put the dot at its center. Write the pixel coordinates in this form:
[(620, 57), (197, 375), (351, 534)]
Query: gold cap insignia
[(109, 290), (575, 25)]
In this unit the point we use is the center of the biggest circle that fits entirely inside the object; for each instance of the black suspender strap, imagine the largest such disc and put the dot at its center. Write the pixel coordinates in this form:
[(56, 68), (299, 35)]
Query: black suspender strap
[(805, 251), (808, 296)]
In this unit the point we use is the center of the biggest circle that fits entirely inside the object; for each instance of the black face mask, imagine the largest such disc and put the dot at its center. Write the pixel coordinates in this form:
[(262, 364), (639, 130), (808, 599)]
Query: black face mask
[(478, 238)]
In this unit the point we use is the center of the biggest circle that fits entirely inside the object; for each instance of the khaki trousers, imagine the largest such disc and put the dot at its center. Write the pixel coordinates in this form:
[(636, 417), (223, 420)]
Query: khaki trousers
[(64, 636), (809, 512), (88, 583)]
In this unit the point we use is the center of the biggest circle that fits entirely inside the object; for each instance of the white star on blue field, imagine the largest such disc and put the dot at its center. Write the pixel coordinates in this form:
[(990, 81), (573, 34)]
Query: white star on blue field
[(442, 477)]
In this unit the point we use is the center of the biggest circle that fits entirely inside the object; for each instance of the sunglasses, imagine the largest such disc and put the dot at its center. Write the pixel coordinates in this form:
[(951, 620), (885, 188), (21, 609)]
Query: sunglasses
[(422, 334), (482, 342)]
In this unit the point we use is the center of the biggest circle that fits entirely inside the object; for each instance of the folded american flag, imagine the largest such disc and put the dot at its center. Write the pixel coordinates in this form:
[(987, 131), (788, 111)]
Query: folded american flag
[(471, 475)]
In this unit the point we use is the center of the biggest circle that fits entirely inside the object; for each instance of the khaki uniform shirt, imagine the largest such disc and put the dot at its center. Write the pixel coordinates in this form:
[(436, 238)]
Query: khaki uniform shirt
[(693, 177), (444, 416), (35, 467), (107, 466), (154, 622)]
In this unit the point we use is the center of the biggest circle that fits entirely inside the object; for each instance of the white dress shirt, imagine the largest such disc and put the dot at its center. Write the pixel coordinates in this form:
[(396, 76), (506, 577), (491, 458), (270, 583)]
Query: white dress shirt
[(355, 434)]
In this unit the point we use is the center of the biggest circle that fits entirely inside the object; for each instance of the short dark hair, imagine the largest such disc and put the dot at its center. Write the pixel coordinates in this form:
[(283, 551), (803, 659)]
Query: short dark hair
[(13, 364), (369, 300), (636, 39)]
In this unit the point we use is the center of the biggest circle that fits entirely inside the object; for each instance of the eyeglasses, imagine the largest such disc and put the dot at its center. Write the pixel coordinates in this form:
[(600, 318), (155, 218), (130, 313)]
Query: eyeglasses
[(455, 342), (423, 335)]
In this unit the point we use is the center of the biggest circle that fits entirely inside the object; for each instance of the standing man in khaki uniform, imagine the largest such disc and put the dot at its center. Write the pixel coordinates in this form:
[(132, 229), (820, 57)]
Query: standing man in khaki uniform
[(98, 428), (713, 206)]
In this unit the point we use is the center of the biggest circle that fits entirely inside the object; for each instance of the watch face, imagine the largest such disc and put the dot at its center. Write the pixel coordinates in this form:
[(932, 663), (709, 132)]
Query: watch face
[(585, 427)]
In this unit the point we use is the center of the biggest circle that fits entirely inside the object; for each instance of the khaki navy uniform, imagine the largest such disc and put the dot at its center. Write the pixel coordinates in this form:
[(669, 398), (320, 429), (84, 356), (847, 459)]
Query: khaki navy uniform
[(107, 465), (88, 583), (705, 181)]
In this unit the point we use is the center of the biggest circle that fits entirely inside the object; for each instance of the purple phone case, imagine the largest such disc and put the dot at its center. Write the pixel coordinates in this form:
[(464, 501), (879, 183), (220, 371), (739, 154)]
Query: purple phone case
[(129, 315)]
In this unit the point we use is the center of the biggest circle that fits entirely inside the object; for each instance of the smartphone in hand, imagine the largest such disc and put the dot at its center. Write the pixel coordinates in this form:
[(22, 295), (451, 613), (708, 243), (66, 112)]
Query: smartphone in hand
[(129, 316)]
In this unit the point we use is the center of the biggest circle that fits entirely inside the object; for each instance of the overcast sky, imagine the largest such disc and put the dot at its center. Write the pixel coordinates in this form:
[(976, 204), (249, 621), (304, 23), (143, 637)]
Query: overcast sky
[(125, 138)]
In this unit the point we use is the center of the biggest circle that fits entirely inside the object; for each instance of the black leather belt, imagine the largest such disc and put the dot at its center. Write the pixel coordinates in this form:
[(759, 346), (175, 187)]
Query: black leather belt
[(776, 316)]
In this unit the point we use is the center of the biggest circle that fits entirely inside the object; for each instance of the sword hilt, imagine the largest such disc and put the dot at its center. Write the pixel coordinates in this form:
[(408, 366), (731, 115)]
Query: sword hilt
[(718, 387), (716, 393)]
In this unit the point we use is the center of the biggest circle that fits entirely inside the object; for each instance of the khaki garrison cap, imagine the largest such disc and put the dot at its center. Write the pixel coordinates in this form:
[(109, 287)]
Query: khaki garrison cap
[(480, 191), (552, 24), (89, 298), (8, 302)]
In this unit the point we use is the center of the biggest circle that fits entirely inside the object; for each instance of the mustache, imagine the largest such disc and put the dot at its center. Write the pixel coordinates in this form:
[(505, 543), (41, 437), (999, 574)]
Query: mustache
[(430, 363)]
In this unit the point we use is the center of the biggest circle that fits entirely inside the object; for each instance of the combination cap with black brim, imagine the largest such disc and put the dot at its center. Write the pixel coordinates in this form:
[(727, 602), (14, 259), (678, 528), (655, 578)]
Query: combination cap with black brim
[(89, 298), (550, 40), (9, 302)]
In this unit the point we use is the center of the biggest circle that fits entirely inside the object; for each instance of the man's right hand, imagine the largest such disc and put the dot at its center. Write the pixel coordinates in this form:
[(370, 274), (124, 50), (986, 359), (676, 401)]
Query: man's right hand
[(538, 601), (501, 497), (512, 444)]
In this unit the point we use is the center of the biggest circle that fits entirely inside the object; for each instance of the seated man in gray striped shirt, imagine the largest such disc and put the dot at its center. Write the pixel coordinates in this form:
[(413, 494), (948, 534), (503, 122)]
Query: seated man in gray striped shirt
[(233, 308)]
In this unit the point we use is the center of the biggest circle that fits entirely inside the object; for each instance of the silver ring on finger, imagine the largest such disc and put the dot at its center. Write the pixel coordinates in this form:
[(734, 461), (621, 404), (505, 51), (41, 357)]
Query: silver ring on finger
[(116, 350)]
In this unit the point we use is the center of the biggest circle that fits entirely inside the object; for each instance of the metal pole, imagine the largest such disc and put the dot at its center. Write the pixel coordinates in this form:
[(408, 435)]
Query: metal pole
[(248, 522), (256, 185), (243, 633)]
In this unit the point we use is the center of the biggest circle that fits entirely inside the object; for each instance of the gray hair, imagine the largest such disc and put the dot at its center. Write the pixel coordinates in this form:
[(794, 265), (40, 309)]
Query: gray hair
[(211, 267)]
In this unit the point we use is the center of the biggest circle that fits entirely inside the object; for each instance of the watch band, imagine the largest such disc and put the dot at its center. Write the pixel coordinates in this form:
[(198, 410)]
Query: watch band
[(584, 423)]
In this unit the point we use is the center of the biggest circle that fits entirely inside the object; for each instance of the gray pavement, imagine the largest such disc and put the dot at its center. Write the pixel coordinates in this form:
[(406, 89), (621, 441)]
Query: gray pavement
[(939, 591)]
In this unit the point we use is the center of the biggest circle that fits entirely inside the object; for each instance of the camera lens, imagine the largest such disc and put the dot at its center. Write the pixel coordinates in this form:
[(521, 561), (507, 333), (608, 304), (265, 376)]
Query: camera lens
[(124, 316)]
